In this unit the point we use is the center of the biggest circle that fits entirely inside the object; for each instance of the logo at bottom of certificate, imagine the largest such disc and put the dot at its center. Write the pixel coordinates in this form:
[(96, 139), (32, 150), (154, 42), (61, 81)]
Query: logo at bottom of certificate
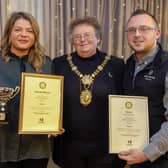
[(129, 142), (41, 120)]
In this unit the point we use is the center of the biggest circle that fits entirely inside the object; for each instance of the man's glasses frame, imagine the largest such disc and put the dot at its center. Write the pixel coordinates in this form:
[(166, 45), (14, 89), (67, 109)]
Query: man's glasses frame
[(140, 29)]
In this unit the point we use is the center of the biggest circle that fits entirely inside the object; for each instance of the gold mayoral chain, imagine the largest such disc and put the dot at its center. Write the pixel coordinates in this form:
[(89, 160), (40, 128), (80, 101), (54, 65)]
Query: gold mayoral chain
[(87, 79)]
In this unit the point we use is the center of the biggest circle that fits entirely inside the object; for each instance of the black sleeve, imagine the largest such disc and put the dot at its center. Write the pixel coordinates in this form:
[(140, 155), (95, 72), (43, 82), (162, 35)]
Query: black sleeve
[(117, 66)]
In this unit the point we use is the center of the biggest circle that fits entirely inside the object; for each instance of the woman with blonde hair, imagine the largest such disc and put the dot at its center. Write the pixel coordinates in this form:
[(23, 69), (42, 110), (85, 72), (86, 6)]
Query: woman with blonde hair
[(21, 51)]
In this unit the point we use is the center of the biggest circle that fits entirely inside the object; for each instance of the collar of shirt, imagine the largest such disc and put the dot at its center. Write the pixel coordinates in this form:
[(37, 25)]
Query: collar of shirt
[(148, 58)]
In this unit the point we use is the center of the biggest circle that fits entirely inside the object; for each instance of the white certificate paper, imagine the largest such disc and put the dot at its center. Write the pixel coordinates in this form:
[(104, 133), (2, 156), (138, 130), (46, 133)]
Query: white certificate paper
[(128, 122)]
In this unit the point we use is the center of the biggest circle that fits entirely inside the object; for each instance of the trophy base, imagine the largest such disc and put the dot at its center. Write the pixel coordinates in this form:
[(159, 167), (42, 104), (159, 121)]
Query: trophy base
[(3, 122), (3, 117)]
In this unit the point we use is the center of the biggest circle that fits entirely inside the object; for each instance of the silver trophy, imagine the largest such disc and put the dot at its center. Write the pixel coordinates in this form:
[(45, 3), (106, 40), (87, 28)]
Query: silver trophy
[(6, 94)]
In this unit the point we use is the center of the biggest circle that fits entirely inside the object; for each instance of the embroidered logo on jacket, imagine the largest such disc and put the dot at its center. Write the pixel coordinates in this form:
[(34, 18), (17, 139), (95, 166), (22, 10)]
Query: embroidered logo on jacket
[(150, 76)]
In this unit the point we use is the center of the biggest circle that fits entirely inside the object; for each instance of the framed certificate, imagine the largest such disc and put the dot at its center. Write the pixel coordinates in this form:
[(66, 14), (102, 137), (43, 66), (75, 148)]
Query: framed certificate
[(128, 122), (41, 104)]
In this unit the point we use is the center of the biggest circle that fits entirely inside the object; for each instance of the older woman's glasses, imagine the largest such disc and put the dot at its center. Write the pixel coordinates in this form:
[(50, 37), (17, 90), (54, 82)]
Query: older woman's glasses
[(79, 37), (141, 29)]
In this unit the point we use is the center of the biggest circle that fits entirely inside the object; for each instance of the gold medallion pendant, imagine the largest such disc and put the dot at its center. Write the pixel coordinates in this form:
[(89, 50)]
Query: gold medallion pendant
[(85, 97), (86, 80)]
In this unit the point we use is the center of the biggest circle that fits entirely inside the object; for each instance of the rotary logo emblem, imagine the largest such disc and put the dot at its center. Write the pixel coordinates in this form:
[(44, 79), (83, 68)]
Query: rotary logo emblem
[(128, 105), (42, 85)]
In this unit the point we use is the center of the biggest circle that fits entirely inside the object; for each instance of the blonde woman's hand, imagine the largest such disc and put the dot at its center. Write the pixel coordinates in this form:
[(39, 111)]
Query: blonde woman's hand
[(62, 130)]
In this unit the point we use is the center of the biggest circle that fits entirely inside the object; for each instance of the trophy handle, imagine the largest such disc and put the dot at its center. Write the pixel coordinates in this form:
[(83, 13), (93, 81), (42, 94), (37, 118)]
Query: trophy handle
[(15, 92)]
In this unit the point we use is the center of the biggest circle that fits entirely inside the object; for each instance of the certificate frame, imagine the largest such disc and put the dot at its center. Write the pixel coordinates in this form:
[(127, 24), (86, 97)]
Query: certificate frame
[(128, 122), (41, 104)]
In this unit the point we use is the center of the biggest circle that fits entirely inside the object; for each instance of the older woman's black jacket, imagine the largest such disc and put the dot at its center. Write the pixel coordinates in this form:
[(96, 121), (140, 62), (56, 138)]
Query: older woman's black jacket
[(87, 126)]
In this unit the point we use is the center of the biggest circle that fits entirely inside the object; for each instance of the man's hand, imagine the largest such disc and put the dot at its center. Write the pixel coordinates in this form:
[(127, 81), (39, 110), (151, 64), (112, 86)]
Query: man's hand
[(133, 156)]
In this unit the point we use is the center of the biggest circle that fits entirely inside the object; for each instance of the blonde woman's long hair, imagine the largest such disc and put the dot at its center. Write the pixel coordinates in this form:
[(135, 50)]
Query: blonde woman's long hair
[(36, 55)]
